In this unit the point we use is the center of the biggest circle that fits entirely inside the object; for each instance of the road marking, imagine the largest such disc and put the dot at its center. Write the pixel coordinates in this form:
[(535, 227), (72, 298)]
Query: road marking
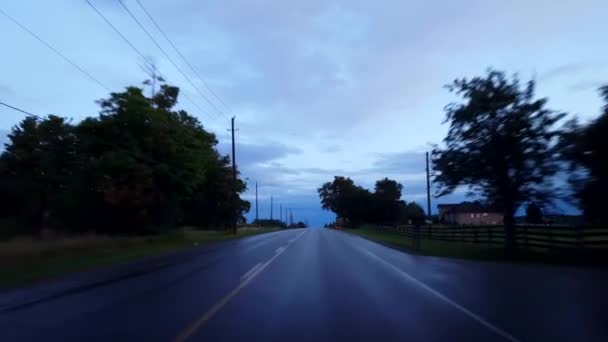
[(194, 326), (439, 295), (280, 250), (267, 240), (248, 273)]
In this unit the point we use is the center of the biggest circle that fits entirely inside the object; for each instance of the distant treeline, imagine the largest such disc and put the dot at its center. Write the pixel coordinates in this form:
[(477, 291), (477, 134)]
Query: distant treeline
[(358, 205), (139, 166), (277, 224)]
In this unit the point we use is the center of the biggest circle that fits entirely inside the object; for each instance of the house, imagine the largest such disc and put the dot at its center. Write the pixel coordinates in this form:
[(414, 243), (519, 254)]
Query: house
[(469, 213)]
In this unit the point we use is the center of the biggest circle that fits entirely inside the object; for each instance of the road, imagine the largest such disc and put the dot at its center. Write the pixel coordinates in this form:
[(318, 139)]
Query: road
[(320, 284)]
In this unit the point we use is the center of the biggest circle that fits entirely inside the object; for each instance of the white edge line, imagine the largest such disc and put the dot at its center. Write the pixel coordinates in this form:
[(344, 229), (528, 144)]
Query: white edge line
[(280, 249), (253, 269), (439, 295)]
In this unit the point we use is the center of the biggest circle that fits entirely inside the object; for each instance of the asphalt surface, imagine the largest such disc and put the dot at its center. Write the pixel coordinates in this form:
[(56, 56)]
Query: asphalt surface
[(320, 284)]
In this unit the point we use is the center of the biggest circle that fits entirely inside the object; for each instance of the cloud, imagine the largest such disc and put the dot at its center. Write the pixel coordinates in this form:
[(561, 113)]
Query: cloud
[(562, 70), (6, 90), (586, 85), (258, 153), (331, 148), (407, 162)]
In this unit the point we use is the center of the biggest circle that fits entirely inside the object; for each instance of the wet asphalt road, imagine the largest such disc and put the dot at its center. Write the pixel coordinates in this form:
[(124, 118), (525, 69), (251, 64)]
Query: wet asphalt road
[(320, 284)]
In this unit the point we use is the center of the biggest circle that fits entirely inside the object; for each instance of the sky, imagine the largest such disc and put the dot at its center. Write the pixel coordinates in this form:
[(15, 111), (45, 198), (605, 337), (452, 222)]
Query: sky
[(319, 88)]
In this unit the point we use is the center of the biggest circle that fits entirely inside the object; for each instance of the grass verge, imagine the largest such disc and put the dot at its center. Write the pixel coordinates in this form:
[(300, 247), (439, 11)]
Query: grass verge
[(26, 260), (464, 250)]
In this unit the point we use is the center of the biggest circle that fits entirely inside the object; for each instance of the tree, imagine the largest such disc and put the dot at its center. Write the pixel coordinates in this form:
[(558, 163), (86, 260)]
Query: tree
[(358, 205), (345, 199), (387, 204), (39, 161), (414, 213), (534, 214), (137, 167), (499, 144), (585, 148)]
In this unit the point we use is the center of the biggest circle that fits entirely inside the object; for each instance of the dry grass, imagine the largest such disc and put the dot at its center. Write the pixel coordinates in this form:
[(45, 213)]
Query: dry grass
[(25, 259)]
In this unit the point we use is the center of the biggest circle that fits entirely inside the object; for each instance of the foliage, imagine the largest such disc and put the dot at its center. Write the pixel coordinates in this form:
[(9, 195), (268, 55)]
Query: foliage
[(358, 205), (269, 223), (299, 224), (387, 204), (585, 148), (500, 144), (136, 167), (414, 213), (534, 214)]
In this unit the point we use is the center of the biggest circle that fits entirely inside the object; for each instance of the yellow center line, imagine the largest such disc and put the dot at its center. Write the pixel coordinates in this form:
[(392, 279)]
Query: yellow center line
[(197, 324)]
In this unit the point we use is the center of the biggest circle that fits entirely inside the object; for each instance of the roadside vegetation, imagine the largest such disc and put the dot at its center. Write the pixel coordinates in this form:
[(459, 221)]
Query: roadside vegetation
[(27, 259), (138, 167), (113, 187), (481, 251)]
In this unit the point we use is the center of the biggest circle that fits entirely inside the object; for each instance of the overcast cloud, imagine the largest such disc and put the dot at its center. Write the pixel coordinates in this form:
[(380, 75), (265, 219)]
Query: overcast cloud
[(319, 87)]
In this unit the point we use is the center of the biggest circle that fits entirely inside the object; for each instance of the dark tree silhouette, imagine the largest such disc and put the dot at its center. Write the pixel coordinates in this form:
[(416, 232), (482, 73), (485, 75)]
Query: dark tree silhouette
[(534, 214), (500, 144), (585, 148)]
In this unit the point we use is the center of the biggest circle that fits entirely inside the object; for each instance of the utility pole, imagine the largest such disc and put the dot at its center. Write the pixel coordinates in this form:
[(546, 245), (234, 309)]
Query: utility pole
[(235, 214), (280, 212), (271, 206), (290, 217), (428, 187), (257, 218), (152, 70)]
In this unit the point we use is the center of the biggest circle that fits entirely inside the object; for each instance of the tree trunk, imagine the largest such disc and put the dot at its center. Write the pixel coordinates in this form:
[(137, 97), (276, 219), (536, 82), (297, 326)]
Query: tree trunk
[(510, 238)]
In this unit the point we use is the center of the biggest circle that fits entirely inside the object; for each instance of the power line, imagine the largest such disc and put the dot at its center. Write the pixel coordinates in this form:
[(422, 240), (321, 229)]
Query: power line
[(21, 110), (104, 142), (182, 56), (168, 57), (55, 50), (125, 39), (145, 58)]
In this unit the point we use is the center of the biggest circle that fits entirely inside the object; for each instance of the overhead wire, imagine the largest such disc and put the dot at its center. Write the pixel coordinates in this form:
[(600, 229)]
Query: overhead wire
[(21, 110), (144, 57), (169, 58), (182, 55), (55, 50), (104, 142)]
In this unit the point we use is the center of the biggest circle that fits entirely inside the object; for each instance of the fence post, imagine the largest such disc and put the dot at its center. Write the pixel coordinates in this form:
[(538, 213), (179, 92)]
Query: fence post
[(474, 234), (526, 236), (549, 237), (581, 239), (489, 236)]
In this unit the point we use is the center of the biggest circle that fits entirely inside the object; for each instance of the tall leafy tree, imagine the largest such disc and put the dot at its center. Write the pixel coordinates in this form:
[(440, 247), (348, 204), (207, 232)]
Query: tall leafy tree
[(585, 148), (38, 162), (499, 144), (387, 200), (346, 199)]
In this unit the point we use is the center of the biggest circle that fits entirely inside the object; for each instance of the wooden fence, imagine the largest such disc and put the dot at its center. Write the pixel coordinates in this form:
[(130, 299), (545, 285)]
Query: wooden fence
[(538, 236)]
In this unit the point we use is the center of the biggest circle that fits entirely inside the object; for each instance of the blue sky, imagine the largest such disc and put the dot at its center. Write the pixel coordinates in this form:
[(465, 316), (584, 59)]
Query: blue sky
[(319, 87)]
